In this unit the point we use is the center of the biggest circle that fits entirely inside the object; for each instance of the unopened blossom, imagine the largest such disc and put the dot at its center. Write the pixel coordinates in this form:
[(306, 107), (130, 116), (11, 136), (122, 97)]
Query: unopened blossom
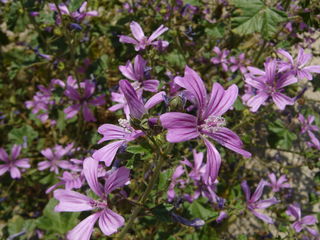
[(277, 184), (306, 124), (83, 100), (302, 223), (71, 201), (208, 122), (298, 67), (140, 41), (138, 73), (254, 203), (55, 158), (221, 58), (12, 163), (269, 84), (238, 63), (125, 132)]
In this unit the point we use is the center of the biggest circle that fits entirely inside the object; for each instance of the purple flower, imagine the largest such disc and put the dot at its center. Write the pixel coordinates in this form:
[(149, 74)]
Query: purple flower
[(123, 134), (11, 163), (253, 202), (208, 122), (137, 73), (239, 63), (298, 67), (306, 124), (269, 83), (71, 201), (71, 180), (314, 143), (198, 169), (221, 58), (174, 180), (54, 157), (302, 223), (83, 100), (136, 106), (141, 41), (277, 184), (222, 216)]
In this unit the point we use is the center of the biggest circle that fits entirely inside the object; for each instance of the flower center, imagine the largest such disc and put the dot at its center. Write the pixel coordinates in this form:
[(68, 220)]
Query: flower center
[(136, 85), (126, 125), (213, 124), (98, 204)]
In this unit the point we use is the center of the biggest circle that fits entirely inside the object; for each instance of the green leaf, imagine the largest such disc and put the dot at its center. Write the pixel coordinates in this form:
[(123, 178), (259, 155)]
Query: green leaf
[(74, 5), (56, 222), (18, 225), (17, 135), (164, 179), (137, 149), (196, 209), (255, 16)]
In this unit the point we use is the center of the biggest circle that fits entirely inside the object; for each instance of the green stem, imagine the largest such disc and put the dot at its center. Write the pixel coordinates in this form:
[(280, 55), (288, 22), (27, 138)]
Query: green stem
[(158, 162)]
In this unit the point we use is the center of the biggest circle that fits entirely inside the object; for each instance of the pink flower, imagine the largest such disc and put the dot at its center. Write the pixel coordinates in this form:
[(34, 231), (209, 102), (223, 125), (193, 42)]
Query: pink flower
[(141, 41), (306, 124), (314, 143), (70, 201), (208, 122), (253, 202), (13, 163), (221, 58), (277, 184)]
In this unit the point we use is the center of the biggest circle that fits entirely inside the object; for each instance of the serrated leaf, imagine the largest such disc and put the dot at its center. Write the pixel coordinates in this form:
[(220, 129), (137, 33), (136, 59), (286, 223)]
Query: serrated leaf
[(255, 16), (197, 210), (26, 132)]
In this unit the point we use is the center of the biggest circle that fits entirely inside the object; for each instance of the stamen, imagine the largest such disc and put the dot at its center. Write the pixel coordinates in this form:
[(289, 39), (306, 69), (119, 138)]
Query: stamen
[(213, 124), (125, 124)]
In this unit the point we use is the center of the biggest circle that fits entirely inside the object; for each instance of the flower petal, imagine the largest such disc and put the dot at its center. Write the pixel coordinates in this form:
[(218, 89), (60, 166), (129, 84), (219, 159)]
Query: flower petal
[(154, 100), (255, 102), (263, 217), (3, 155), (282, 100), (309, 220), (15, 152), (259, 190), (84, 229), (266, 203), (213, 163), (150, 85), (117, 179), (14, 172), (71, 201), (90, 171), (111, 132), (109, 222), (136, 30), (127, 39), (108, 152), (72, 110), (160, 30), (181, 126)]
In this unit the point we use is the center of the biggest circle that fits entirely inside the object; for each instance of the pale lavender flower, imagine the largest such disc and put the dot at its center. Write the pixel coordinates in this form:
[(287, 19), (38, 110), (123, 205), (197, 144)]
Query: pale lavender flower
[(83, 100), (253, 202), (302, 222), (298, 67), (13, 163), (221, 58), (306, 124), (208, 122), (269, 83), (55, 158), (70, 201), (140, 41), (71, 180), (278, 184), (138, 74)]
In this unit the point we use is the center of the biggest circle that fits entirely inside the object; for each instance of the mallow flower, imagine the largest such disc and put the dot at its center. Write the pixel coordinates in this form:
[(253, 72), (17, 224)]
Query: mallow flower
[(275, 184), (71, 201), (306, 124), (298, 67), (269, 84), (254, 203), (140, 41), (83, 100), (302, 222), (12, 163), (55, 158), (208, 122), (221, 58), (314, 141), (125, 132), (137, 72)]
